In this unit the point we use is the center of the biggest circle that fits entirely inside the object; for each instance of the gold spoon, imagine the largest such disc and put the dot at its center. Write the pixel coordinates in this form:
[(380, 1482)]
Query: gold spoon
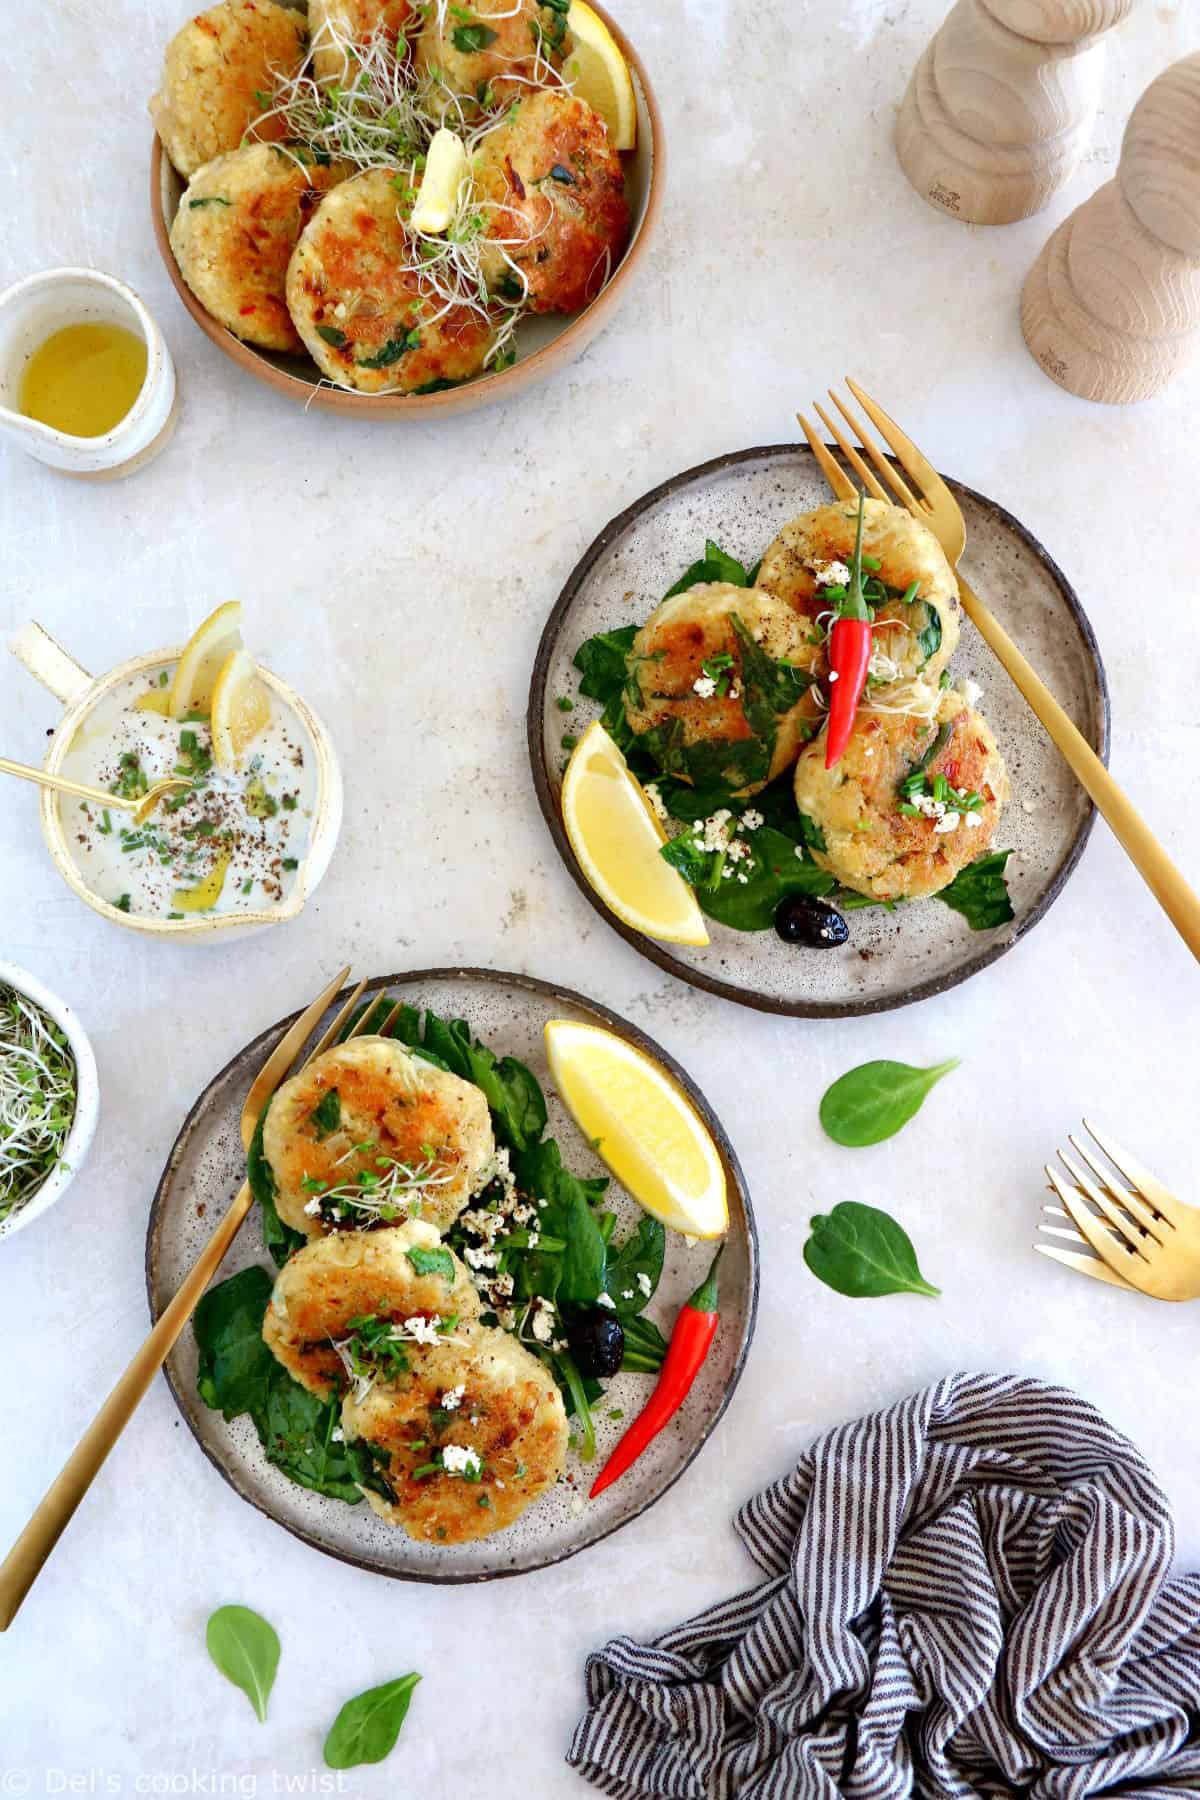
[(141, 808)]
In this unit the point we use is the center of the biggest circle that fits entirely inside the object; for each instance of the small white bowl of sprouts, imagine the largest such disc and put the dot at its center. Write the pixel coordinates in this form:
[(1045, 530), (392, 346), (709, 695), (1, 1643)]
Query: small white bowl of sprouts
[(49, 1098), (388, 208)]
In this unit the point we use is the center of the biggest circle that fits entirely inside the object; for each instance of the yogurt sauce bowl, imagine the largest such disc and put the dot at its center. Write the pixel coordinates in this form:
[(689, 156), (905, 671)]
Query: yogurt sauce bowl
[(260, 838)]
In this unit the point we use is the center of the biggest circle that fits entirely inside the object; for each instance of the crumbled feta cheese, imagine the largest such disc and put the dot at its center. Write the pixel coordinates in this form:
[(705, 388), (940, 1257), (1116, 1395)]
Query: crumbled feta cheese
[(559, 1344), (833, 675), (705, 686), (974, 821), (452, 1399), (971, 691), (831, 574), (460, 1459), (506, 1317), (716, 830), (751, 819), (645, 1283), (627, 1293), (423, 1331), (606, 1300), (312, 1206), (500, 1286), (656, 800), (949, 821), (542, 1323), (481, 1259), (738, 849), (498, 1483), (744, 879), (337, 1435), (535, 1238), (735, 692)]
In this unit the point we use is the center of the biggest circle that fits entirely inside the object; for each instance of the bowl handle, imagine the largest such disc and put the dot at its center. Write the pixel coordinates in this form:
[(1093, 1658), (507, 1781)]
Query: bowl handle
[(45, 658)]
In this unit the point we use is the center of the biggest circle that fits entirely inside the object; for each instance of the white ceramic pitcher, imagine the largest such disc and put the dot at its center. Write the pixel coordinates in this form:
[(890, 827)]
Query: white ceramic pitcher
[(33, 310)]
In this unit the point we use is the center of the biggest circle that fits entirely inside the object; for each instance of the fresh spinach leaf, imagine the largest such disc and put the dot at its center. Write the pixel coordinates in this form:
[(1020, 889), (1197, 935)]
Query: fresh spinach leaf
[(246, 1650), (715, 565), (431, 1262), (280, 1239), (640, 1255), (980, 893), (296, 1430), (862, 1252), (366, 1729), (876, 1100), (601, 663), (577, 1400), (770, 689), (645, 1346), (811, 835)]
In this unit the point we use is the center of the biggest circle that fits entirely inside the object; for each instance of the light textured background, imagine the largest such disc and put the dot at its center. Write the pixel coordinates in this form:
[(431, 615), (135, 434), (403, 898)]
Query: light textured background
[(400, 576)]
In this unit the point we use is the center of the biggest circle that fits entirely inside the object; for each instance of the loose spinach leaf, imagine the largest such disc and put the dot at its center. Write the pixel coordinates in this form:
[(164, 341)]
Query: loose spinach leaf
[(601, 663), (366, 1729), (641, 1254), (980, 893), (246, 1650), (876, 1100), (860, 1251), (431, 1262), (715, 565), (579, 1277), (645, 1346), (280, 1239), (296, 1430), (234, 1363)]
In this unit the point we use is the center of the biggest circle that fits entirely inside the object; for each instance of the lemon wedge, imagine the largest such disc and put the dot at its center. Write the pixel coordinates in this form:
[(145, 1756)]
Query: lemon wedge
[(204, 655), (241, 706), (445, 172), (204, 896), (599, 74), (650, 1136), (155, 700), (616, 840)]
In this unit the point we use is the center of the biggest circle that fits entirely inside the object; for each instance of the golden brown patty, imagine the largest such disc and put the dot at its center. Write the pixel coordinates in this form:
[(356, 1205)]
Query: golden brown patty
[(556, 207), (401, 1273), (699, 628), (215, 69), (368, 318), (370, 1107), (235, 230), (871, 845), (503, 51), (914, 638), (336, 25), (509, 1414)]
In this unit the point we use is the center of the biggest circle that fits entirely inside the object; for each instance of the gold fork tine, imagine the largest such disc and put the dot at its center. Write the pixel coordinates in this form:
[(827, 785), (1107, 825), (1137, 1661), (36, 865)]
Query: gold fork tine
[(1104, 1204), (847, 449), (907, 455), (1160, 1198), (332, 1032), (1108, 1181), (1085, 1265), (386, 1027), (829, 466), (896, 482), (1108, 1185), (1111, 1249)]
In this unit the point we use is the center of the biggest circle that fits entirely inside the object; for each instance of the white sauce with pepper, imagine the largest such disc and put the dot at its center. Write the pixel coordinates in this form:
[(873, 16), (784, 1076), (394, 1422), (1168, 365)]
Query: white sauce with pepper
[(256, 820)]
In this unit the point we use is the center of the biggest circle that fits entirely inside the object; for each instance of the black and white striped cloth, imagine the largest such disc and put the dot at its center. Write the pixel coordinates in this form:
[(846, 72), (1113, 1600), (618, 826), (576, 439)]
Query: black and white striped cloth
[(967, 1594)]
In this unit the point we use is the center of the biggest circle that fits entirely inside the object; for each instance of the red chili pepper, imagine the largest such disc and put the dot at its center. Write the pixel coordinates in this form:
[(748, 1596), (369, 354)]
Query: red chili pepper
[(849, 655), (694, 1331)]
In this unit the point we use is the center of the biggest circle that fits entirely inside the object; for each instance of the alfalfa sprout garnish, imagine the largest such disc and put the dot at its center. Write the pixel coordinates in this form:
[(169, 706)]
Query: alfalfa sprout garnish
[(37, 1099)]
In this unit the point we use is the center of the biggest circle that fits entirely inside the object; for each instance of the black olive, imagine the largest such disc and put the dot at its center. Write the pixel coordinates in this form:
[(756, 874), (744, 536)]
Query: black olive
[(597, 1342), (802, 919)]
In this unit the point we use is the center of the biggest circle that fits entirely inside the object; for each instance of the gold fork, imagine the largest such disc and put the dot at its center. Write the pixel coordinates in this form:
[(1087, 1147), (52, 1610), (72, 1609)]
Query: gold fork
[(141, 806), (24, 1561), (1144, 1237), (936, 507)]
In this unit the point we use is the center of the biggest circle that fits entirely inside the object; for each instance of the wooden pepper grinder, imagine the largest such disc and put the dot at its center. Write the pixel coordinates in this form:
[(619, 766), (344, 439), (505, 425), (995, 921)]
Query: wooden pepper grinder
[(1000, 106), (1111, 308)]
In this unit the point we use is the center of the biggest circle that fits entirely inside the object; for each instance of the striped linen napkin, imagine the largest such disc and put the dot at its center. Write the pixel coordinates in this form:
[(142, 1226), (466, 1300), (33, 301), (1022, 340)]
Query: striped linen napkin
[(966, 1594)]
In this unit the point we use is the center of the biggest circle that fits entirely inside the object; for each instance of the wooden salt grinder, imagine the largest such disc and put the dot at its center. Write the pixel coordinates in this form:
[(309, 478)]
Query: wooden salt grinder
[(1111, 308), (1000, 107)]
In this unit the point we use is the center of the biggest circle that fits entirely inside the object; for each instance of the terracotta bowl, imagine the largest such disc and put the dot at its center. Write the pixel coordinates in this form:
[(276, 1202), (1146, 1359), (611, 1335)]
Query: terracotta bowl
[(544, 345)]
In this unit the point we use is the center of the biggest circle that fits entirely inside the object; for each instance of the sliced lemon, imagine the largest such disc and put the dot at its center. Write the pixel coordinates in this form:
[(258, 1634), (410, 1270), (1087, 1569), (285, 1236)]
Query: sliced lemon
[(204, 655), (599, 74), (616, 839), (241, 706), (650, 1136), (204, 896), (445, 172), (155, 700)]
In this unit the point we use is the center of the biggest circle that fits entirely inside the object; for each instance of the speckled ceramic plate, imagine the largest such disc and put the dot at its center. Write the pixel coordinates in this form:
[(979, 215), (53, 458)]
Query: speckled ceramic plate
[(204, 1171), (742, 501)]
